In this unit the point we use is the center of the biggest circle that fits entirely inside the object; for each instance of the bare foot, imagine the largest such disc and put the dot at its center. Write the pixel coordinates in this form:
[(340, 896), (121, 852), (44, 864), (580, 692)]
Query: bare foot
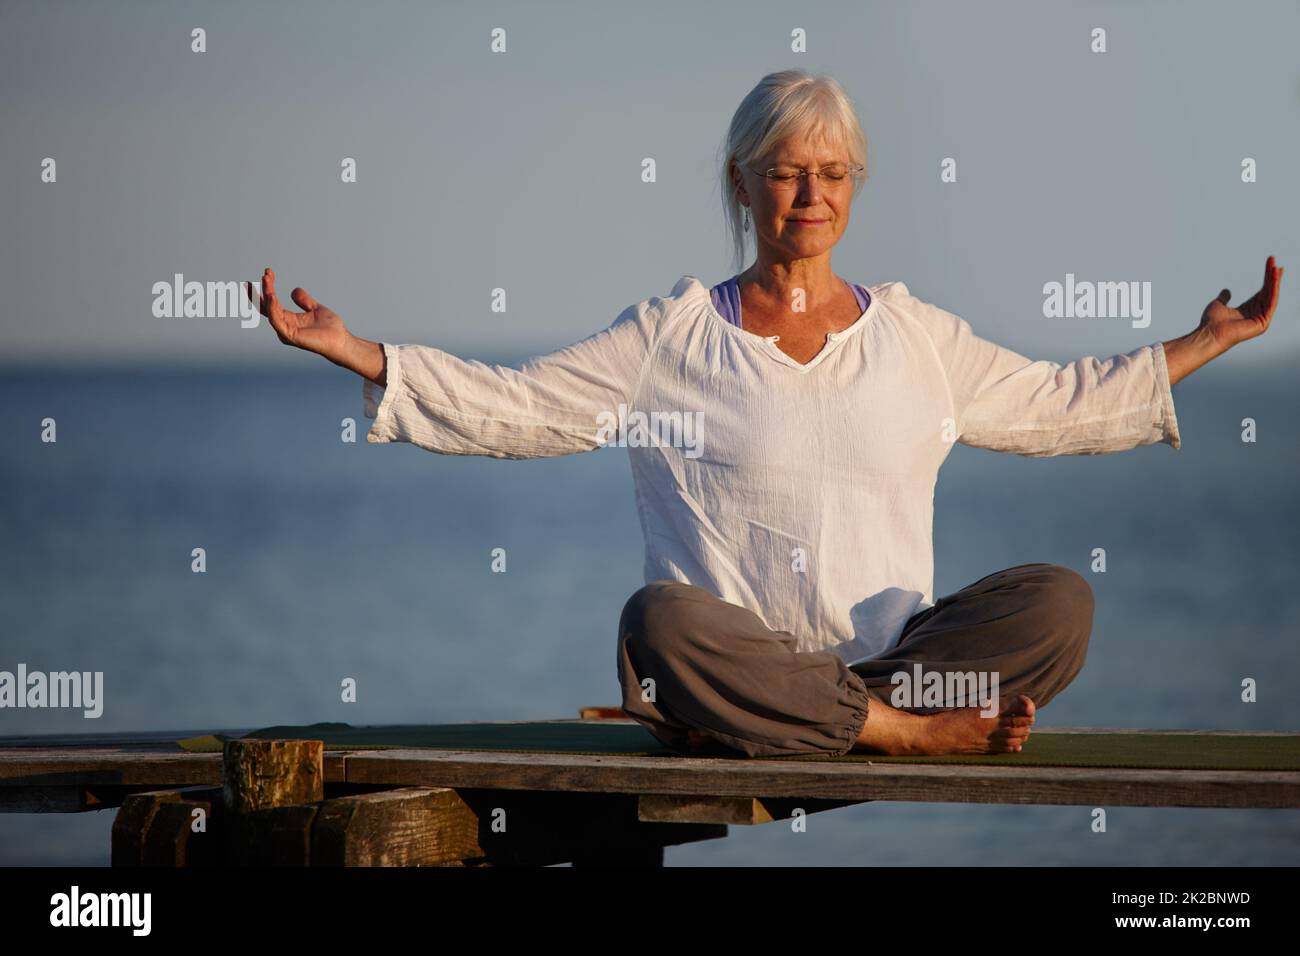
[(961, 731)]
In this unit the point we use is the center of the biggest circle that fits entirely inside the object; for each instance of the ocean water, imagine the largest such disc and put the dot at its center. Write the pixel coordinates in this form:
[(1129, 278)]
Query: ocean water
[(328, 560)]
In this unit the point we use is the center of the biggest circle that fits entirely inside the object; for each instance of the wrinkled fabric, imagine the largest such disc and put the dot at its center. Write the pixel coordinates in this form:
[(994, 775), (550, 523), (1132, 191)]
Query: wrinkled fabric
[(809, 496), (715, 667)]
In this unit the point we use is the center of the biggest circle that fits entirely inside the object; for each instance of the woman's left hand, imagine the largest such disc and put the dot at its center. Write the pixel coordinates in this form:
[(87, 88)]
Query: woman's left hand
[(1227, 326)]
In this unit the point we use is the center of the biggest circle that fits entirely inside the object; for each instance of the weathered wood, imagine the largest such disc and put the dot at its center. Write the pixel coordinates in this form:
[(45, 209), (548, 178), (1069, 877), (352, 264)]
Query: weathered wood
[(404, 827), (848, 781), (155, 828), (78, 798), (166, 842), (41, 779), (25, 783), (441, 827), (414, 826), (122, 767), (276, 836), (746, 811), (71, 779), (442, 807), (172, 839), (853, 782), (264, 774), (130, 826), (271, 790)]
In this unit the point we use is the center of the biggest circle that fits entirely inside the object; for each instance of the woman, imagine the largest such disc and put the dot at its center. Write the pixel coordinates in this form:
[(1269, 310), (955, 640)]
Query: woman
[(788, 549)]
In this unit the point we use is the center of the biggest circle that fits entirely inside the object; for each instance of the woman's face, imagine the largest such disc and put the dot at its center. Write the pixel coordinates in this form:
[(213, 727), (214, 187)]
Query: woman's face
[(800, 221)]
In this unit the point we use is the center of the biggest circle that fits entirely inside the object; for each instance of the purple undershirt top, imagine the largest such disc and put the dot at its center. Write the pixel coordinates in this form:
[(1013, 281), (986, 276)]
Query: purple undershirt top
[(726, 299)]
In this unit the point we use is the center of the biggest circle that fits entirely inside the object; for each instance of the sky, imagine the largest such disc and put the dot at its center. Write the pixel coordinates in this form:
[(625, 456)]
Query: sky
[(522, 169)]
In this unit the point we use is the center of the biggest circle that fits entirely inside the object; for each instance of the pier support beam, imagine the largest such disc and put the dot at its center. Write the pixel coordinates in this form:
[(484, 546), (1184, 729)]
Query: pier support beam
[(271, 811), (168, 828), (271, 790)]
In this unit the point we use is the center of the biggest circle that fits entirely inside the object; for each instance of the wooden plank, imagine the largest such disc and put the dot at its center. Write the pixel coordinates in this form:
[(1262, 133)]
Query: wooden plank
[(745, 811), (842, 781), (172, 840), (411, 826), (705, 776), (440, 827), (40, 779), (131, 824), (154, 827), (79, 798), (845, 781), (109, 766), (123, 767)]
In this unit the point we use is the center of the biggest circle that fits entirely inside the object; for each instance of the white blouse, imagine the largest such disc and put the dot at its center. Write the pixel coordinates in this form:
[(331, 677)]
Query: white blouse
[(802, 492)]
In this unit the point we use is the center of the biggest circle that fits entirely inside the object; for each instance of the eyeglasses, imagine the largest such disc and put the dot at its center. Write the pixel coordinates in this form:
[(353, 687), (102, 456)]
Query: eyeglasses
[(788, 177)]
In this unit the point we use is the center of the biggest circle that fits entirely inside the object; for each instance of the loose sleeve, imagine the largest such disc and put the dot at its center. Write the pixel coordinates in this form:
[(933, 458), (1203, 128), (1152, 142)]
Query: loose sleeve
[(553, 404), (1006, 402)]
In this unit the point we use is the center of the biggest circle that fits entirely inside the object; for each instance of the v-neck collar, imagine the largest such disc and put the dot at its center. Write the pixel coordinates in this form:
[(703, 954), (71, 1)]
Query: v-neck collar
[(767, 343)]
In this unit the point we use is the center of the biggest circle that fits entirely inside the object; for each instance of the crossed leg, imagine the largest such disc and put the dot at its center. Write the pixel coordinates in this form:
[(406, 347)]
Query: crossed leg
[(693, 666), (1029, 625)]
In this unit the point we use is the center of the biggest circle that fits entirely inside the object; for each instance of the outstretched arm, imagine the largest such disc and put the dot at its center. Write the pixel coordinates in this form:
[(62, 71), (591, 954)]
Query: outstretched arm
[(1222, 327), (553, 404), (319, 329), (1005, 402)]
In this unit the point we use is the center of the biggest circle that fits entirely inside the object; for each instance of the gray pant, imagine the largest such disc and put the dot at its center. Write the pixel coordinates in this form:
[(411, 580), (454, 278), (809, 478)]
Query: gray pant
[(718, 668)]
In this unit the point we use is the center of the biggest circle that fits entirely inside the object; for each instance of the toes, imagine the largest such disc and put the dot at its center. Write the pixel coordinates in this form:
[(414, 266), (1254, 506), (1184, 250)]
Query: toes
[(1012, 733), (1020, 706)]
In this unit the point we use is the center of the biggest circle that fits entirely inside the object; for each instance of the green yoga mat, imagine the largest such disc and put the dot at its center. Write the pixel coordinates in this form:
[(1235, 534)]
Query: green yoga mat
[(1190, 751)]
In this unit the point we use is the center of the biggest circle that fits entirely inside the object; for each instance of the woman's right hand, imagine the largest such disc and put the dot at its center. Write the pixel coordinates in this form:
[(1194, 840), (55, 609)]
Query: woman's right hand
[(319, 329)]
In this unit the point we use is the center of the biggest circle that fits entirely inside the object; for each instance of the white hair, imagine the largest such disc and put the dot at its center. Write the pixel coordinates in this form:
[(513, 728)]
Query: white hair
[(790, 103)]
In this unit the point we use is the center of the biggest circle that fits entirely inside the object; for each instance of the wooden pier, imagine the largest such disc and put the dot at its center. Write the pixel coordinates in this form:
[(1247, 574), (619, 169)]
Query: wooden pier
[(292, 802)]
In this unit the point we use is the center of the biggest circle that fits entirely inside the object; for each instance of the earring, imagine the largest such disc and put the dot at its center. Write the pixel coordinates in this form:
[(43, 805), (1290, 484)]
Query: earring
[(746, 219)]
